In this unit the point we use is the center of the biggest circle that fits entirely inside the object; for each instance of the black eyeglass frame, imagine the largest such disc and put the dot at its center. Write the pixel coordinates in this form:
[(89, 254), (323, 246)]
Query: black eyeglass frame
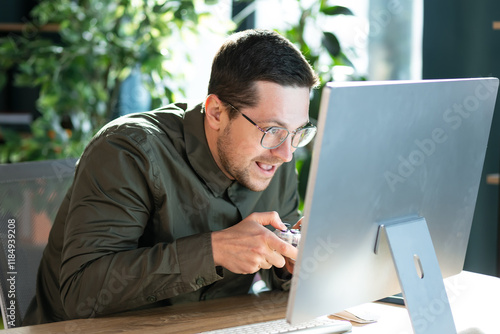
[(309, 125)]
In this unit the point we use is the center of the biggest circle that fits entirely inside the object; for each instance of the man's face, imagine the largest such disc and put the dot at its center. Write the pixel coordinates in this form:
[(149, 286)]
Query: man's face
[(241, 156)]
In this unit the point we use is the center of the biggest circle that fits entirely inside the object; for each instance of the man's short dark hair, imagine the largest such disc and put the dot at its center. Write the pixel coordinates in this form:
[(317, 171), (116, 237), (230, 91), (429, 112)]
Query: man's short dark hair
[(257, 55)]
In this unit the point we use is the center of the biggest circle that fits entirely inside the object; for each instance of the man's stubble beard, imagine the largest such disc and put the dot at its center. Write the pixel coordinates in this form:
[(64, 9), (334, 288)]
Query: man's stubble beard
[(240, 174)]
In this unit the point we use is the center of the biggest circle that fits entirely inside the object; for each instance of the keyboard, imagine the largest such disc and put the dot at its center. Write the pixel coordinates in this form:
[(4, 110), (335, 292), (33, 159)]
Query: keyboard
[(317, 326)]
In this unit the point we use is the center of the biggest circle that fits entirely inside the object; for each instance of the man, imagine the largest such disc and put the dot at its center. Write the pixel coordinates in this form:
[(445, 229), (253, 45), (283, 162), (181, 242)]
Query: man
[(172, 205)]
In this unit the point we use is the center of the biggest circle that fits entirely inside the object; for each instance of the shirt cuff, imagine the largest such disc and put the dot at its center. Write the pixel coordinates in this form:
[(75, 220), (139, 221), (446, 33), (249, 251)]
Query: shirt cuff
[(276, 278), (196, 261)]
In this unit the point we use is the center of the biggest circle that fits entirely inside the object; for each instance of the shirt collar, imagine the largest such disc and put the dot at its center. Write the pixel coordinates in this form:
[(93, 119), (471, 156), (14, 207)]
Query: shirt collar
[(199, 153)]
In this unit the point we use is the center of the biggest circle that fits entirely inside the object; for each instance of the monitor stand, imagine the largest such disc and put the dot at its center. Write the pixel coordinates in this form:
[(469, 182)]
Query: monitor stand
[(419, 275)]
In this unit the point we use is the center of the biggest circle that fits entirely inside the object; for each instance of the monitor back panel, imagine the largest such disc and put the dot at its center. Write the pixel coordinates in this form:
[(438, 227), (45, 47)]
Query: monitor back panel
[(386, 151)]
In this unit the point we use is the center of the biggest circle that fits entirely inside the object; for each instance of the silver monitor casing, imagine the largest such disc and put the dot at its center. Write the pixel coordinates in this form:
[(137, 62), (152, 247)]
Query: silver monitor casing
[(388, 152)]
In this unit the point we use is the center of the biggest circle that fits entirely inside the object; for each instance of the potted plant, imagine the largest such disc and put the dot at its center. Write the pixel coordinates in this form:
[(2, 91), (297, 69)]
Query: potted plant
[(79, 69)]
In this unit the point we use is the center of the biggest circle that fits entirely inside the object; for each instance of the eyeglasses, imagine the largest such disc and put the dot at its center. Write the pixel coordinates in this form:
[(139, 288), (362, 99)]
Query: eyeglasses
[(274, 136)]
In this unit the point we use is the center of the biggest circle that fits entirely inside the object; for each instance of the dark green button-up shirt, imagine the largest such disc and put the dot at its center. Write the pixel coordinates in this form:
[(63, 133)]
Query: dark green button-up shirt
[(134, 228)]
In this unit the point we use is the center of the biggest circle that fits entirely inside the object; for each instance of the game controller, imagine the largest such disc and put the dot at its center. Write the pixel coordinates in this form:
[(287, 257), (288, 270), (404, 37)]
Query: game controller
[(292, 236)]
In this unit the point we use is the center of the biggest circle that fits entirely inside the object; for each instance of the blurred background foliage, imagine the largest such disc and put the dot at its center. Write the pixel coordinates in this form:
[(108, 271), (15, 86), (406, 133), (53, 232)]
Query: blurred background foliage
[(327, 57), (80, 71)]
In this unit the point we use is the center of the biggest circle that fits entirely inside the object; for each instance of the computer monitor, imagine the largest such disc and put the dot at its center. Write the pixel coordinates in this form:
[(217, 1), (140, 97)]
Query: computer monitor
[(406, 155)]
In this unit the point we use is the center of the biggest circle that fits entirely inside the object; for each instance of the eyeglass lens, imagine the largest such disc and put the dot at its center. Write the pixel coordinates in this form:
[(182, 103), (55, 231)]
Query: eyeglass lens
[(274, 137)]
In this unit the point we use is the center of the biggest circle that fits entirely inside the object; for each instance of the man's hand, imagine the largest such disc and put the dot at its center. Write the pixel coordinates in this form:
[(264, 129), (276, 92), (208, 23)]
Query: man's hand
[(290, 262), (248, 246)]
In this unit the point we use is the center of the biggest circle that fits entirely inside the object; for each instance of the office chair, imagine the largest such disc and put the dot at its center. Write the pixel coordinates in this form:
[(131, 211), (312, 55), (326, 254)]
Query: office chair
[(30, 195)]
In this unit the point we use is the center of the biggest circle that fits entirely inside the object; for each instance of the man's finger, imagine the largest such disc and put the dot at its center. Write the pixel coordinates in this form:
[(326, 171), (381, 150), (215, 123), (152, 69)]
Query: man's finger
[(282, 247), (269, 218), (266, 265), (298, 224), (276, 259)]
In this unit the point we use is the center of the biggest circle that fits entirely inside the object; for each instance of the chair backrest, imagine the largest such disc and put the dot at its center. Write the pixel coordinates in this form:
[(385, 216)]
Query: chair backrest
[(30, 195)]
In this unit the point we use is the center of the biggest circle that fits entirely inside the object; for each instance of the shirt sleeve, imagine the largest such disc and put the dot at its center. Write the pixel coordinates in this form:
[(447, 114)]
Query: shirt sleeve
[(105, 268)]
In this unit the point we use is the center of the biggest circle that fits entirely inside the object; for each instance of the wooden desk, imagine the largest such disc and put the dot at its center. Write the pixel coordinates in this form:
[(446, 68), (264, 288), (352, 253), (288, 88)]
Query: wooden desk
[(475, 302)]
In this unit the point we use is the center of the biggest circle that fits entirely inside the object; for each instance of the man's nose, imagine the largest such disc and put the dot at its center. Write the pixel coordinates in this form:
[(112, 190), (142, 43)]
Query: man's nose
[(285, 150)]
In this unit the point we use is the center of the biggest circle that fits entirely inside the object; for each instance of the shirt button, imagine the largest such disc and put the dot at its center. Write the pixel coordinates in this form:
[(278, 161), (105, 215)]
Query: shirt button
[(200, 281), (151, 299)]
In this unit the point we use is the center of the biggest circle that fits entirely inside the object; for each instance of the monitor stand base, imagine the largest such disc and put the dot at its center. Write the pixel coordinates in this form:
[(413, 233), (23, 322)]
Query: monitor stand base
[(419, 275)]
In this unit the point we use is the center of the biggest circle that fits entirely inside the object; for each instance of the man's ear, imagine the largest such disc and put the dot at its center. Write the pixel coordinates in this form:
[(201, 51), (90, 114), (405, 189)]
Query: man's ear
[(213, 111)]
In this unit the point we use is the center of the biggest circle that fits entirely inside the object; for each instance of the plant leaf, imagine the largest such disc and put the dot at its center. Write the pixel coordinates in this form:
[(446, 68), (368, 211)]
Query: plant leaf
[(336, 10), (331, 43)]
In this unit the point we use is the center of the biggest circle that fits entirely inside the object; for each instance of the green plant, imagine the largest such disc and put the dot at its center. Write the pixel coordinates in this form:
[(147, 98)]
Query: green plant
[(329, 52), (324, 57), (79, 70)]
